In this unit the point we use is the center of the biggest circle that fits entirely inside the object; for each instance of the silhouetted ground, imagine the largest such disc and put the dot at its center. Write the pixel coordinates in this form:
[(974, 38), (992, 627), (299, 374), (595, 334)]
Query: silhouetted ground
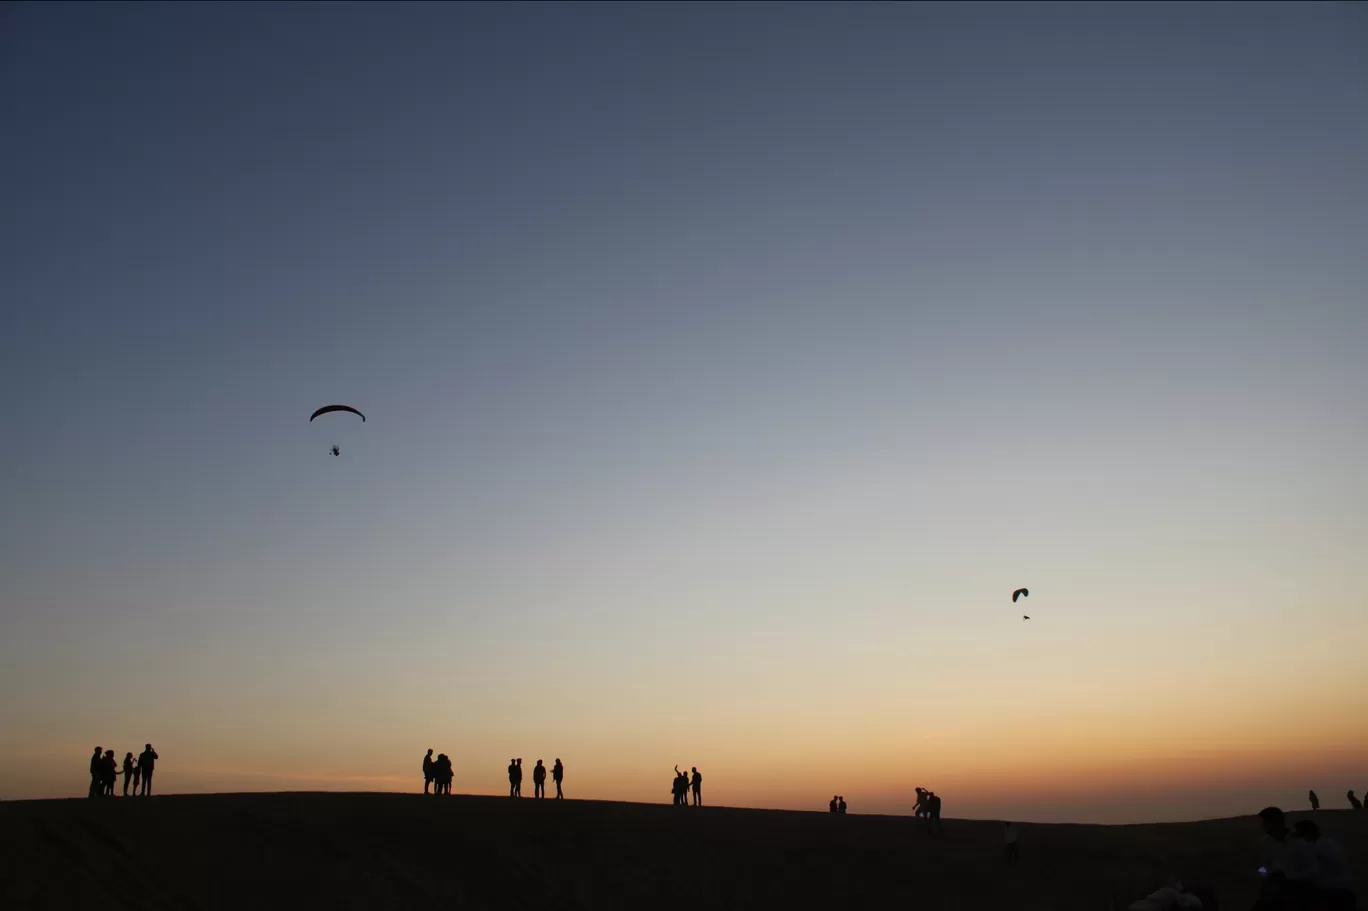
[(399, 851)]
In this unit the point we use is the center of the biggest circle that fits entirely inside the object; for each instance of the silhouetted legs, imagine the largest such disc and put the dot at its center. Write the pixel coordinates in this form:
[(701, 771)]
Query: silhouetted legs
[(559, 795), (698, 795), (538, 789), (147, 782)]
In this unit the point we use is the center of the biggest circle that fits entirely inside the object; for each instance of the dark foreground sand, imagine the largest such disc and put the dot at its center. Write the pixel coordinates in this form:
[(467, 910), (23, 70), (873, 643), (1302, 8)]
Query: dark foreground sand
[(409, 851)]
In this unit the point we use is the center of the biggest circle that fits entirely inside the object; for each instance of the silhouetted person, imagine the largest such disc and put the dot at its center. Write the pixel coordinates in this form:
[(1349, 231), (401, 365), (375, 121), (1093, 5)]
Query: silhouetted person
[(681, 788), (512, 778), (108, 772), (841, 805), (1333, 877), (935, 810), (919, 810), (1009, 834), (442, 774), (1354, 802), (137, 778), (519, 774), (558, 775), (97, 777), (128, 770), (697, 785), (428, 770), (1290, 862), (539, 781), (834, 799), (109, 769), (147, 762), (1315, 801)]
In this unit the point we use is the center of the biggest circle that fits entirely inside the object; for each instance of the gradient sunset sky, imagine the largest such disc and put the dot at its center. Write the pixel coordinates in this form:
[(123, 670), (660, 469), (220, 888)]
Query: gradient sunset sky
[(726, 367)]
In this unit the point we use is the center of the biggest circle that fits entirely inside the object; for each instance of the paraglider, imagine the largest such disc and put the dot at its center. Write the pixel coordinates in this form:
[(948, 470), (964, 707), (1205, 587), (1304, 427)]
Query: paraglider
[(1024, 617), (1020, 592), (328, 409)]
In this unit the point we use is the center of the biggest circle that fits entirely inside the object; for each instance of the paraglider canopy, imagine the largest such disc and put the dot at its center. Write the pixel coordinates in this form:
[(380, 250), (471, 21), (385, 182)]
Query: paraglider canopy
[(326, 409), (1020, 592)]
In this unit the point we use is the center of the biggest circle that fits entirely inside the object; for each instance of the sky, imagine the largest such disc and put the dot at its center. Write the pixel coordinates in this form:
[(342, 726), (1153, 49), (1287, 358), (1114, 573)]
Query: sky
[(726, 367)]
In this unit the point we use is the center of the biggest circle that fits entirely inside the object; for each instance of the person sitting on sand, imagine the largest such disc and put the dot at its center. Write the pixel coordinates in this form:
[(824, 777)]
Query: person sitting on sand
[(129, 767), (1333, 876), (1290, 863), (539, 781), (1354, 802), (697, 785), (428, 765), (558, 775), (1009, 834)]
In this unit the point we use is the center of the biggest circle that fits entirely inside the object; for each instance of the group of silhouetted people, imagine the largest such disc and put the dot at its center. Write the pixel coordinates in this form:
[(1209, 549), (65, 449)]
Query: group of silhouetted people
[(837, 805), (683, 784), (928, 807), (515, 775), (437, 773), (1302, 870), (104, 772)]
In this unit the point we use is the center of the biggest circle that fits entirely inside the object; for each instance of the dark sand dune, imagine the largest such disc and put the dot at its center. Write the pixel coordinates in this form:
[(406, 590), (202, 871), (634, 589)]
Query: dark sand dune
[(405, 851)]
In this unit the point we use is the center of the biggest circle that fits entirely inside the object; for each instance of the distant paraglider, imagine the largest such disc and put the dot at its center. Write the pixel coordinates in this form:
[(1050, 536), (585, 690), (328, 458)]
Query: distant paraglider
[(328, 409), (1020, 593), (1024, 617)]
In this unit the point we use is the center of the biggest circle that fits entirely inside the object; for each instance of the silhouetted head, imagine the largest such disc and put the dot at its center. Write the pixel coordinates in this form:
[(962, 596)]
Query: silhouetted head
[(1308, 830), (149, 746), (109, 754), (539, 762), (429, 751), (1274, 824), (128, 755), (695, 770), (99, 750)]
